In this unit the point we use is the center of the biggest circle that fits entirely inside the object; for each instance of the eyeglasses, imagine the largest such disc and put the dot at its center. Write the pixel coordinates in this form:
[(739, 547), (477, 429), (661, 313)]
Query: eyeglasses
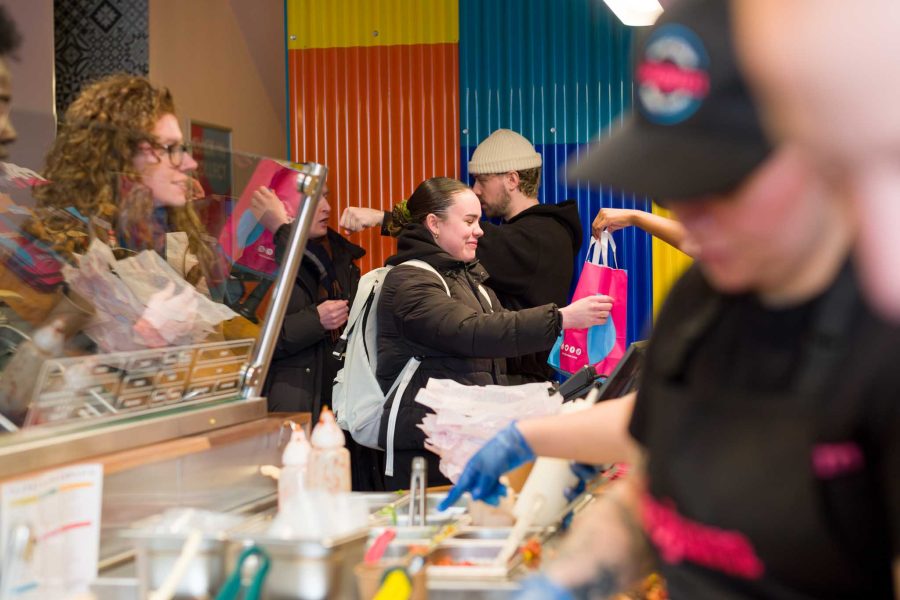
[(176, 152)]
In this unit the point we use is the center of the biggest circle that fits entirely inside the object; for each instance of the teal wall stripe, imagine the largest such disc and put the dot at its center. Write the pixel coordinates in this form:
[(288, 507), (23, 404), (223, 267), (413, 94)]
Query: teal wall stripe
[(559, 73)]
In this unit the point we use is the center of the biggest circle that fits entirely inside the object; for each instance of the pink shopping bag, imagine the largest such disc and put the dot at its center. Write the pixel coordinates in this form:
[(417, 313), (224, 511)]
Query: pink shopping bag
[(602, 345), (243, 239)]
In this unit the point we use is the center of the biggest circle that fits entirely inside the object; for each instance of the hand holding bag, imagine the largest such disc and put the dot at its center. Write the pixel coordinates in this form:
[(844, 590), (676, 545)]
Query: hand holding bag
[(602, 345)]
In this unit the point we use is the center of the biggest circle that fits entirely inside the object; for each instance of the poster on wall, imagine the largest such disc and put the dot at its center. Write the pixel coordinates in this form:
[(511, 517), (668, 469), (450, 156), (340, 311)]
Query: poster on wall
[(212, 151)]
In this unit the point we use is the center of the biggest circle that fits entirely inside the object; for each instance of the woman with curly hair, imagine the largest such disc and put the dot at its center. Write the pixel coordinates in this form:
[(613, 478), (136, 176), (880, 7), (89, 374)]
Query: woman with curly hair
[(119, 172)]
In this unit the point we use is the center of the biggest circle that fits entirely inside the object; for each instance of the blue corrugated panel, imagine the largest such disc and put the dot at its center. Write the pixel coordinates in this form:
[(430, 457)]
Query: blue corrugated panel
[(558, 72), (554, 70), (633, 244)]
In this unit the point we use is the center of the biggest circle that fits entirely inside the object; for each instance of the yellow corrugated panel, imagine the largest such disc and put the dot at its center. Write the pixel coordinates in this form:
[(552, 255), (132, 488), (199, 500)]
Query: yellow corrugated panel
[(354, 23), (668, 265)]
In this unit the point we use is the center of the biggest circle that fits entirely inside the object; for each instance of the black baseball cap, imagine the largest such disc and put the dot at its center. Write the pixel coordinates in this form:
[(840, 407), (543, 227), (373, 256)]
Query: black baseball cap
[(694, 129)]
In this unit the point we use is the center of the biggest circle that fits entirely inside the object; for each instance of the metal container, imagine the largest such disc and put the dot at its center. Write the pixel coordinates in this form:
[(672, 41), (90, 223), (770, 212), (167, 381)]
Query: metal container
[(434, 498), (433, 517), (378, 500), (404, 534), (156, 556), (478, 552), (308, 569), (299, 569), (495, 533)]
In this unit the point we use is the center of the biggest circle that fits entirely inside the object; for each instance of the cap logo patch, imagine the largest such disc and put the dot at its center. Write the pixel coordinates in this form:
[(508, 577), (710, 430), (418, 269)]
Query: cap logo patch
[(673, 77)]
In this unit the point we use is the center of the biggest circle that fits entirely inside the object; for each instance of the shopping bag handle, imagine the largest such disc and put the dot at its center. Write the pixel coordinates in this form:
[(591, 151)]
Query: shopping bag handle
[(592, 256), (605, 242)]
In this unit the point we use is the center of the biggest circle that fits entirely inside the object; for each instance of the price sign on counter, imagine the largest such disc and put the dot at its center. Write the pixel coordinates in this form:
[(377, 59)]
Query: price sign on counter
[(82, 387), (50, 532)]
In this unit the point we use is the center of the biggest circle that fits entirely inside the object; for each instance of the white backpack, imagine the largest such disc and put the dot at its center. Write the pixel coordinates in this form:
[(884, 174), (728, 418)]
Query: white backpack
[(357, 398)]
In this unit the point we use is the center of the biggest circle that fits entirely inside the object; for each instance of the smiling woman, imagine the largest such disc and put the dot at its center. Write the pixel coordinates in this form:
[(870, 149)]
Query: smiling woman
[(164, 163), (449, 318), (119, 172)]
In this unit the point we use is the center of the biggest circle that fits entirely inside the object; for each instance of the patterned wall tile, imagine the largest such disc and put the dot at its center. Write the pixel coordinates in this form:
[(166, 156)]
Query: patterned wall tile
[(95, 38)]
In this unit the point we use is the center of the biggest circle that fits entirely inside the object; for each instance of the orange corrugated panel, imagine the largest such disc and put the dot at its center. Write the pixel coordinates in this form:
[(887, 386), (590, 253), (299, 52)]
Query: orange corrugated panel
[(381, 118)]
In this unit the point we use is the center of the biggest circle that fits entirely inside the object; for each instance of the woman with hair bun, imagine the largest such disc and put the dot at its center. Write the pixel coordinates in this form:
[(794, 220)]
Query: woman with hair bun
[(464, 336)]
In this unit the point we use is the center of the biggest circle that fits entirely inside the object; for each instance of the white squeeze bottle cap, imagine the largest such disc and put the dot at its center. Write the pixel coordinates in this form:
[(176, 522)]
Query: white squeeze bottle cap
[(293, 479), (297, 450), (326, 434), (50, 339)]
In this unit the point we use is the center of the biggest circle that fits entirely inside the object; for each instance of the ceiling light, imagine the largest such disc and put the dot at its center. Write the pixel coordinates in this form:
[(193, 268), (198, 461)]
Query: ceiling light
[(636, 13)]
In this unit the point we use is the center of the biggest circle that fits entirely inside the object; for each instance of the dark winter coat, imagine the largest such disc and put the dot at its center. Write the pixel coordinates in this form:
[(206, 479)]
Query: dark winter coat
[(458, 337), (302, 369), (531, 259)]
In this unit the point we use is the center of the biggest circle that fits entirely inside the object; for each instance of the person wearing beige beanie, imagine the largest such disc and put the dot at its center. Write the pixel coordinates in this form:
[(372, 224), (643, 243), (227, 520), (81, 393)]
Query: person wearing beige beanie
[(507, 172), (531, 256)]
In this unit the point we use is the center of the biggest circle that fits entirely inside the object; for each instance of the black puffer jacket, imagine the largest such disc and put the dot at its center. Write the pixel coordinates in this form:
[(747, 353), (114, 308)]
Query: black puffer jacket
[(531, 259), (303, 367), (458, 337)]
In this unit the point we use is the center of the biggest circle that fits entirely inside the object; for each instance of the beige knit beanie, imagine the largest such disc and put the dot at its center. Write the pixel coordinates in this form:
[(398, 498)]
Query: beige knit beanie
[(503, 151)]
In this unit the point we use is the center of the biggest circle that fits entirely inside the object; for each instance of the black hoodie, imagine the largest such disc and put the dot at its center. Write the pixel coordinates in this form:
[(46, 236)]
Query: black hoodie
[(531, 259)]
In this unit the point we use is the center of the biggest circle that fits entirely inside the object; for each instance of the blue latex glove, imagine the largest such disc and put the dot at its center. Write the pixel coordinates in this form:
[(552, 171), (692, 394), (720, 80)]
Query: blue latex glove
[(540, 587), (585, 473), (481, 477)]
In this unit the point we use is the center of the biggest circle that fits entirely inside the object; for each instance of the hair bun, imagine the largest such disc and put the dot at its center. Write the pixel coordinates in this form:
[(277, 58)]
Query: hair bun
[(400, 217)]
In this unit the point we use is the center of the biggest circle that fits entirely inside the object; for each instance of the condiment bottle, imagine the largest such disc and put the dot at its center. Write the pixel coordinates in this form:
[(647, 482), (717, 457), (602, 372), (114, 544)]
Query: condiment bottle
[(19, 378), (549, 478), (329, 461), (294, 461)]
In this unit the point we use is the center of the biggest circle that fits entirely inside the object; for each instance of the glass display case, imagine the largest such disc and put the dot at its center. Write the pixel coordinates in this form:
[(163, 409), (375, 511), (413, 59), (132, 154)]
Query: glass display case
[(140, 298)]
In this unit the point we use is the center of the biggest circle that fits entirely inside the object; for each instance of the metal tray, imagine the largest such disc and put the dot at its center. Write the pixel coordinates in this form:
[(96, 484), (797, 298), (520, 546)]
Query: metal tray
[(308, 569), (481, 555), (498, 533), (479, 552), (157, 555)]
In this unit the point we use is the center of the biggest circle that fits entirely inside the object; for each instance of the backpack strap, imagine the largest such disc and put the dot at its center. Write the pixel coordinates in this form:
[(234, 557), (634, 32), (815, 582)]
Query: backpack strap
[(402, 382), (399, 387), (359, 310), (421, 264)]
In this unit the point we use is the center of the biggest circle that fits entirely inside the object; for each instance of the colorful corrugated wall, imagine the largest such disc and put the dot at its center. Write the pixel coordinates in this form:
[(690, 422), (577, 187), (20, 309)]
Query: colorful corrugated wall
[(390, 92), (373, 91), (558, 73), (668, 264)]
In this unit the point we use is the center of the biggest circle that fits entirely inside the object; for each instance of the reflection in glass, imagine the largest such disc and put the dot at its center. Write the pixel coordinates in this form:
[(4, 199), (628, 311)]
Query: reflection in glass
[(112, 255)]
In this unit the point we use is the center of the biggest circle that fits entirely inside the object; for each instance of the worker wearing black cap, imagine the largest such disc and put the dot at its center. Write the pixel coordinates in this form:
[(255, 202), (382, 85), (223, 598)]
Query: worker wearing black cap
[(766, 420)]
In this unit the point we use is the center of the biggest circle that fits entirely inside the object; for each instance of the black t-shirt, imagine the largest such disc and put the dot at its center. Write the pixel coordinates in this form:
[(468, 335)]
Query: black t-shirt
[(760, 486)]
